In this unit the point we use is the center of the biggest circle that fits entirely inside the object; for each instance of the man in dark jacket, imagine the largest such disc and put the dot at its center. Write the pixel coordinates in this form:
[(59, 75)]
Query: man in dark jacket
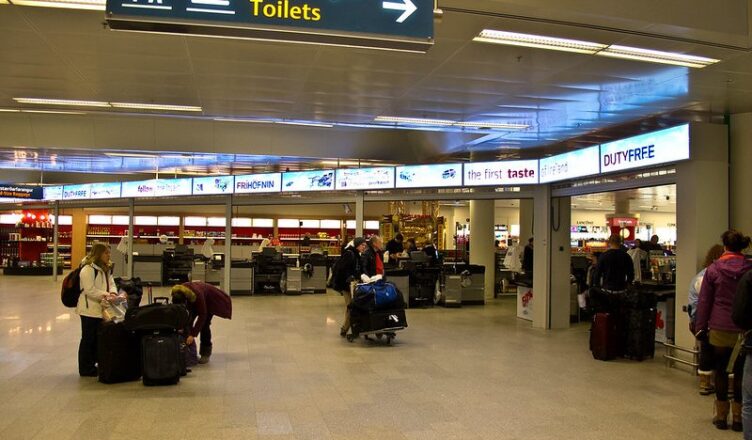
[(203, 302), (395, 246), (615, 270), (348, 269), (372, 262), (527, 257)]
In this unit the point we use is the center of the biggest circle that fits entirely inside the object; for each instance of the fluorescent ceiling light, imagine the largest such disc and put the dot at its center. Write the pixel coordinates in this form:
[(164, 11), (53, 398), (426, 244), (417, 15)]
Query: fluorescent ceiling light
[(415, 121), (305, 124), (656, 56), (150, 156), (492, 125), (91, 5), (538, 41), (343, 163), (258, 121), (133, 105), (54, 112), (73, 102), (9, 110)]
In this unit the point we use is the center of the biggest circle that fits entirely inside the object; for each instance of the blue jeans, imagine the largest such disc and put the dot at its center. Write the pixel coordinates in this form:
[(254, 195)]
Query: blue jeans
[(747, 398)]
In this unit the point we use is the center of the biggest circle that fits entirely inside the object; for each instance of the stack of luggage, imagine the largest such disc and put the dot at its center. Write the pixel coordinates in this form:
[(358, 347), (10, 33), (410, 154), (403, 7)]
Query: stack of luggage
[(639, 313), (623, 325), (377, 309)]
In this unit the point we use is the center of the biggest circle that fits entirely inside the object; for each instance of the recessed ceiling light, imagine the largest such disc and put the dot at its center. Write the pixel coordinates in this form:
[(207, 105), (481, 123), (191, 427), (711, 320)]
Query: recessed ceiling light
[(492, 125), (305, 124), (133, 105), (656, 56), (72, 102), (414, 121), (91, 5), (54, 112), (538, 41)]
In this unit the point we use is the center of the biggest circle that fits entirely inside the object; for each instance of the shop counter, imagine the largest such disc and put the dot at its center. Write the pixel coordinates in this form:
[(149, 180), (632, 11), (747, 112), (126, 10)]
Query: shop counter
[(241, 278), (401, 279), (525, 300), (665, 319), (314, 273), (148, 268)]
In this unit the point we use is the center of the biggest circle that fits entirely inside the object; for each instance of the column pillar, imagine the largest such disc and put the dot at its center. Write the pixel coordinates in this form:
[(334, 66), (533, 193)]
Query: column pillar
[(740, 162), (551, 259), (526, 220), (228, 245), (129, 240), (55, 240), (359, 214), (78, 237), (702, 210), (482, 240)]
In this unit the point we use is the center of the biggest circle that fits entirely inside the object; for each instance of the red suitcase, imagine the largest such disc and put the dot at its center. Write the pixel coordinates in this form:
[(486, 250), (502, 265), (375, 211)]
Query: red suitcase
[(604, 337)]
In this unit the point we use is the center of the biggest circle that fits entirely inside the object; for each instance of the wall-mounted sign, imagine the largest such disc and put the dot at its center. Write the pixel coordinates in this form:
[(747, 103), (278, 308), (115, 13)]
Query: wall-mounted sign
[(213, 185), (21, 192), (53, 192), (157, 188), (579, 163), (318, 180), (365, 178), (664, 146), (258, 183), (109, 190), (429, 176), (76, 192), (394, 24), (515, 172)]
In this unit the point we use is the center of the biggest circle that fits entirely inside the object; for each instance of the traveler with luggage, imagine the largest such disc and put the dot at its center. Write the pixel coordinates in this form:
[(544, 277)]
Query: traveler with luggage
[(346, 271), (203, 301), (372, 263), (706, 364), (714, 322), (97, 285), (742, 316), (613, 273)]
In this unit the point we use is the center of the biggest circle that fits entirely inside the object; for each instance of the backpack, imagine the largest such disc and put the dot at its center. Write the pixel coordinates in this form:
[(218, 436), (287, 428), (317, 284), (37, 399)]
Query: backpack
[(71, 289)]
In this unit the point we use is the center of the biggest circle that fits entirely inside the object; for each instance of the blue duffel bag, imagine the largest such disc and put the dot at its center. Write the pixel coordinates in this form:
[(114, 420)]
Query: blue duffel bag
[(379, 295)]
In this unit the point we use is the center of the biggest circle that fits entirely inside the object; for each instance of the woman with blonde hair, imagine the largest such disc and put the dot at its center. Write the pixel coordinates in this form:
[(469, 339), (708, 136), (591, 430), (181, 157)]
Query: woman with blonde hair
[(97, 285)]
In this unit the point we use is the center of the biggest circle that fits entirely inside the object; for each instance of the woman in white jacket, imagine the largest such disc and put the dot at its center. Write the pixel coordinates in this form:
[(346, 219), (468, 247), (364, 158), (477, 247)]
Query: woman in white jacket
[(97, 285)]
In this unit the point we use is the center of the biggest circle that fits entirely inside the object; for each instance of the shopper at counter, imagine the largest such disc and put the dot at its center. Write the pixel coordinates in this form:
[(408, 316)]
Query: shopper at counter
[(346, 271), (203, 301), (371, 259), (411, 246), (614, 271), (714, 322), (527, 257), (97, 285), (394, 246), (706, 364)]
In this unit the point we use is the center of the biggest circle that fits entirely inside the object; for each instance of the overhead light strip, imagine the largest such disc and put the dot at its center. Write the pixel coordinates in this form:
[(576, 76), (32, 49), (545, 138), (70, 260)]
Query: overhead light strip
[(90, 5), (128, 105), (305, 124), (450, 123), (181, 108), (71, 102), (415, 121), (592, 48)]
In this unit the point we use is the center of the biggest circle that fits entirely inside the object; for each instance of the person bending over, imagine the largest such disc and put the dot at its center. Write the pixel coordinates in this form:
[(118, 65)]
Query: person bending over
[(203, 301)]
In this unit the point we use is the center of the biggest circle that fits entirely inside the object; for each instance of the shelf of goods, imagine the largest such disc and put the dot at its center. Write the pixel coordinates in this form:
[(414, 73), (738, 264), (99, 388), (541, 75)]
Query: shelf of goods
[(27, 237), (322, 234)]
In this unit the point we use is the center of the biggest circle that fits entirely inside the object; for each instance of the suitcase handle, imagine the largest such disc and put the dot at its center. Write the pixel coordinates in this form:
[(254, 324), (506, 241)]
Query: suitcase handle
[(161, 300)]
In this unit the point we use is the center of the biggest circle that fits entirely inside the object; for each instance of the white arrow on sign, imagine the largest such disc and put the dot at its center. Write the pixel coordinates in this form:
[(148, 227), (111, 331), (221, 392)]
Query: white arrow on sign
[(407, 6)]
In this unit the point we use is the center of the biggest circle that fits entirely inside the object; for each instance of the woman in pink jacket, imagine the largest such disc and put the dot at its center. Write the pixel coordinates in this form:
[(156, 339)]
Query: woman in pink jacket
[(713, 321)]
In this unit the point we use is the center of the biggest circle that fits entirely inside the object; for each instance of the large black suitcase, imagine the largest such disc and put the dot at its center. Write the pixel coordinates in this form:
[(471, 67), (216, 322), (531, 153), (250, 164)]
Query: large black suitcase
[(118, 354), (161, 361), (640, 333), (377, 321), (157, 317)]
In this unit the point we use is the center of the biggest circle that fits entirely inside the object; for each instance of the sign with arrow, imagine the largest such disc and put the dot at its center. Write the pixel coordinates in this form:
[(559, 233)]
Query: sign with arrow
[(384, 24)]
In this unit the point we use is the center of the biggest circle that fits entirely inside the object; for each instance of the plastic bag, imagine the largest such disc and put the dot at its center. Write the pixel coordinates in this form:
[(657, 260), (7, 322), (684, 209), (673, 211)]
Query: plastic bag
[(114, 312)]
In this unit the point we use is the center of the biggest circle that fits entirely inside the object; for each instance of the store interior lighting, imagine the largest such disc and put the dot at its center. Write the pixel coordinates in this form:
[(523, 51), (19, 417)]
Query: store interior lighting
[(592, 48), (70, 102)]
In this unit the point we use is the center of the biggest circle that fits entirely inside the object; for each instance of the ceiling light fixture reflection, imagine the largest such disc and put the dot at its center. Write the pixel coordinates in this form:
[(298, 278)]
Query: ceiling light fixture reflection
[(413, 121), (54, 112), (133, 105), (140, 155), (305, 124), (90, 5), (656, 56), (72, 102), (9, 110), (538, 41), (257, 121), (492, 125)]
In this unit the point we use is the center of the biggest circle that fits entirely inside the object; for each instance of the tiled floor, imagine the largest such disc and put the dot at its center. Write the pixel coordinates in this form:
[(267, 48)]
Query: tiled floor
[(281, 371)]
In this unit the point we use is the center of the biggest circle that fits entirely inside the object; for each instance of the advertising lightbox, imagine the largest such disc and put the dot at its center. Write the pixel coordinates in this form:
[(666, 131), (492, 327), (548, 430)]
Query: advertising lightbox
[(76, 192), (502, 173), (318, 180), (429, 176), (110, 190), (157, 188), (365, 178), (258, 183), (213, 185), (579, 163), (664, 146), (53, 193)]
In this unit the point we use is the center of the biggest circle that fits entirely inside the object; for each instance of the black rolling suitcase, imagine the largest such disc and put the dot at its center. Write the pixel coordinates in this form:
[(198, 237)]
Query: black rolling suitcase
[(640, 338), (161, 360), (118, 353)]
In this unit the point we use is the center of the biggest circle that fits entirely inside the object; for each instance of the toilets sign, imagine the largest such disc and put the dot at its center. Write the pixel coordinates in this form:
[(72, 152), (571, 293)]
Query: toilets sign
[(367, 23), (659, 147)]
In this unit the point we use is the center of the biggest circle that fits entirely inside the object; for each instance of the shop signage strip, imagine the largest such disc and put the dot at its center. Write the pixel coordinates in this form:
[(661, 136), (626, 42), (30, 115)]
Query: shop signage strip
[(659, 147), (25, 192)]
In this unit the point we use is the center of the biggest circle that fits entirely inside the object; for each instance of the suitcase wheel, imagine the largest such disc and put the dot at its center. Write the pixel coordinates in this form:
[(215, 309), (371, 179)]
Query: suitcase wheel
[(350, 338)]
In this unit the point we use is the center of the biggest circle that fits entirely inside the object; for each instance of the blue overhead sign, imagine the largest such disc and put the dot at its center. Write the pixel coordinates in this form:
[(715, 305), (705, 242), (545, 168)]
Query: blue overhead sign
[(366, 23)]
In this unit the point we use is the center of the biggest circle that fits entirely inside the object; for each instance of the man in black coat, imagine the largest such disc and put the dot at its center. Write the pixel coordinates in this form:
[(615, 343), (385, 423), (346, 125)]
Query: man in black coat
[(346, 271)]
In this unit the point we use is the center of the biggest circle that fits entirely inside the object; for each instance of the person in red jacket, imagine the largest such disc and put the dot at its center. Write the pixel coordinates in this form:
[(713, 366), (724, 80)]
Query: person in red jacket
[(203, 301)]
